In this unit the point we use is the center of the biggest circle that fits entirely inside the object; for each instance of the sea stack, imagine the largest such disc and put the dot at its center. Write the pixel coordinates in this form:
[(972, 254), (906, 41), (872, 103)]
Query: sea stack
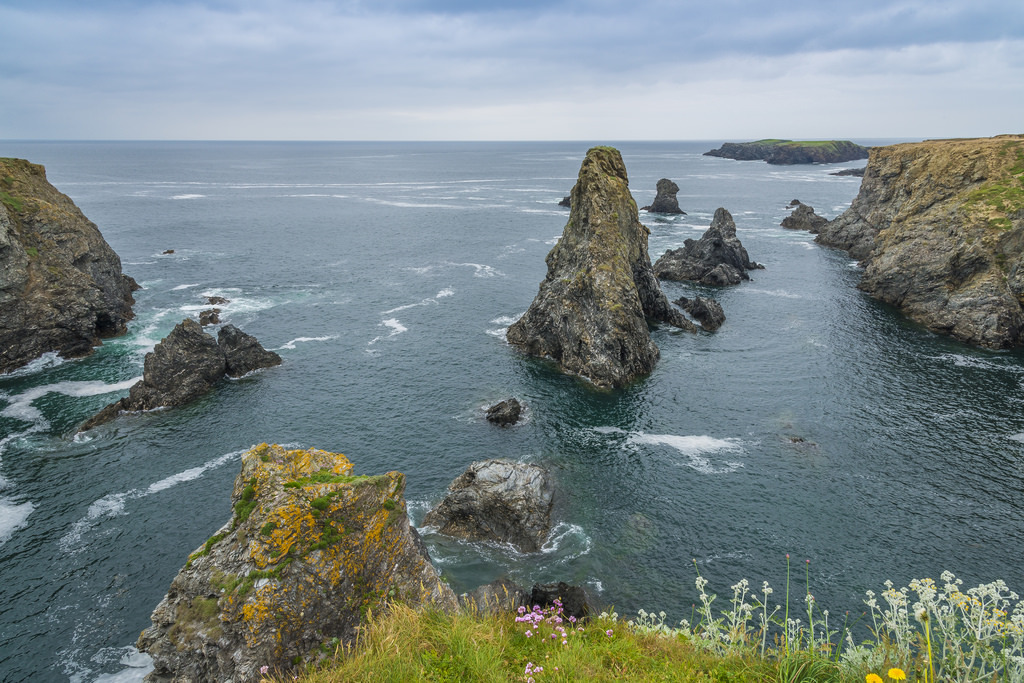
[(665, 201), (717, 258), (61, 286), (590, 315)]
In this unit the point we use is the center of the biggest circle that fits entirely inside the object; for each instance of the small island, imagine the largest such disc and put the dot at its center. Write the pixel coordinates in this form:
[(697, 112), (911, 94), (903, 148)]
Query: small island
[(789, 152)]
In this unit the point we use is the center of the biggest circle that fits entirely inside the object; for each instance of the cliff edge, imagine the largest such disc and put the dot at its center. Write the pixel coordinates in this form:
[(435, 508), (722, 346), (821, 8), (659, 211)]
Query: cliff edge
[(789, 152), (591, 312), (939, 227), (61, 286)]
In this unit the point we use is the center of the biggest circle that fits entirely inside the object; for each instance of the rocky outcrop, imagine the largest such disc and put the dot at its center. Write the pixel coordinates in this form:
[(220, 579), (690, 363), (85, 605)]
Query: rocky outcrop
[(591, 312), (804, 218), (665, 201), (61, 285), (856, 172), (717, 258), (497, 500), (707, 312), (209, 317), (566, 202), (185, 365), (505, 413), (939, 227), (309, 549), (788, 152)]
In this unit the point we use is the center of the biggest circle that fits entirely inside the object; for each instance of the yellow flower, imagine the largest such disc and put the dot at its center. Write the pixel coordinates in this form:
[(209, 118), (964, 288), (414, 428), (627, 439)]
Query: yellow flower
[(897, 675), (873, 678)]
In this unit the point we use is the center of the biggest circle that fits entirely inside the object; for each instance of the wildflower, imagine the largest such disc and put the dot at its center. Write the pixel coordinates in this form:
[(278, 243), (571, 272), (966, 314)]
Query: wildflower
[(522, 610), (921, 614), (897, 674), (608, 633), (264, 669), (529, 633), (873, 678)]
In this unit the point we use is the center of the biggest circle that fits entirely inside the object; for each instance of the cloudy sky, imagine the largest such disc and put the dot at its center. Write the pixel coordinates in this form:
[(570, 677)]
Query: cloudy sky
[(511, 70)]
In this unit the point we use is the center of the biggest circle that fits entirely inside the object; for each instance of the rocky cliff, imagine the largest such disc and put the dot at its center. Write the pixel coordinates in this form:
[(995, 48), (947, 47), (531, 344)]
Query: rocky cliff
[(61, 286), (591, 312), (939, 226), (788, 152), (309, 549)]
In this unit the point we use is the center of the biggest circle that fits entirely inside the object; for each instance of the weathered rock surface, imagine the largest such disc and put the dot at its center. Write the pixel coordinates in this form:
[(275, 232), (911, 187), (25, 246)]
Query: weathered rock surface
[(505, 413), (665, 201), (61, 285), (708, 312), (717, 258), (209, 317), (939, 226), (591, 312), (497, 500), (308, 550), (185, 365), (787, 152), (804, 218), (856, 172)]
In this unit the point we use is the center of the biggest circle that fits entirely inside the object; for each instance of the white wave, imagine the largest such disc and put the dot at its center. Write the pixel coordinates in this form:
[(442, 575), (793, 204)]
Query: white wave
[(21, 408), (13, 516), (48, 360), (568, 541), (962, 361), (188, 196), (443, 294), (392, 324), (504, 321), (446, 292), (693, 447), (414, 205), (421, 271), (299, 340), (113, 504), (481, 269), (180, 287), (1017, 437), (776, 292)]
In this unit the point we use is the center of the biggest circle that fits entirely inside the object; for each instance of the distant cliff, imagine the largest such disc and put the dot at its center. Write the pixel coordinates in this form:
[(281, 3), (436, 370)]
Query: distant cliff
[(939, 227), (61, 286), (788, 152)]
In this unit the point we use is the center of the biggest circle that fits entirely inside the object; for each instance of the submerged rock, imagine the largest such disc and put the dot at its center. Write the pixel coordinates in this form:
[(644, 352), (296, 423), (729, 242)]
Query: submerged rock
[(708, 312), (717, 258), (497, 500), (505, 413), (309, 549), (61, 285), (804, 218), (590, 315), (665, 201), (185, 365), (217, 300)]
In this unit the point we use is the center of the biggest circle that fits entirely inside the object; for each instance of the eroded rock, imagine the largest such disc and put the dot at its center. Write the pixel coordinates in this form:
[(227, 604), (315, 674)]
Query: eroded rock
[(708, 312), (804, 218), (665, 201), (717, 258)]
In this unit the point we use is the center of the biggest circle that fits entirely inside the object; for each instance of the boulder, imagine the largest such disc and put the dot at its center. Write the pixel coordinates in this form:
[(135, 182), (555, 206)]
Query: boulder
[(505, 413), (497, 500), (61, 285), (708, 312), (717, 258), (804, 218), (308, 551), (185, 365), (209, 317), (590, 314), (167, 252), (665, 201), (217, 300)]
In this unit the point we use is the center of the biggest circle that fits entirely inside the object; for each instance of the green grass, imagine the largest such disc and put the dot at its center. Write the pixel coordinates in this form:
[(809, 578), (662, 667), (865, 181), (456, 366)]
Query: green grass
[(12, 202), (1003, 197)]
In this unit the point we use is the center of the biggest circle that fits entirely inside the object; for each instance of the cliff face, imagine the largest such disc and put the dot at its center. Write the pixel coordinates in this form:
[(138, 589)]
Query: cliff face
[(61, 286), (308, 550), (939, 226), (788, 152), (591, 312)]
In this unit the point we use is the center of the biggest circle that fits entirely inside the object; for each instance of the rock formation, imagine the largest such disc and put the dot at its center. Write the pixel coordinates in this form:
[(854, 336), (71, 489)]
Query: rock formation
[(939, 226), (804, 218), (505, 413), (857, 172), (308, 550), (497, 500), (209, 317), (788, 152), (707, 312), (591, 312), (717, 258), (61, 286), (185, 365), (665, 201), (566, 202)]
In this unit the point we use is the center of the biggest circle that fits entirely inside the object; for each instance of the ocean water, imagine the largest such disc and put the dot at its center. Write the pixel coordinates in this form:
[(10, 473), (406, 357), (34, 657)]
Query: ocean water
[(815, 422)]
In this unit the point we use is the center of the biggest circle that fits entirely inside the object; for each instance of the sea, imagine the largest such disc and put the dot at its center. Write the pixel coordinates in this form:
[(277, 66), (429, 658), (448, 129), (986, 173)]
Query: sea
[(817, 432)]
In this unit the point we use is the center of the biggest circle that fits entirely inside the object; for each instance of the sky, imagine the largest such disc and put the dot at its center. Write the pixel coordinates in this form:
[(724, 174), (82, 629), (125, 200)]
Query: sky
[(513, 70)]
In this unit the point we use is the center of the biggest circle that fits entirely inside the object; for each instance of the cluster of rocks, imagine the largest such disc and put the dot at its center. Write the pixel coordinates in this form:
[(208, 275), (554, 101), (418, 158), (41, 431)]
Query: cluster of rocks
[(803, 217), (185, 365), (717, 258), (707, 312)]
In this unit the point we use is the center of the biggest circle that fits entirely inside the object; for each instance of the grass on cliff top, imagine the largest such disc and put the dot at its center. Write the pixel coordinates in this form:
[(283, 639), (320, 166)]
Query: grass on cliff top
[(1001, 198)]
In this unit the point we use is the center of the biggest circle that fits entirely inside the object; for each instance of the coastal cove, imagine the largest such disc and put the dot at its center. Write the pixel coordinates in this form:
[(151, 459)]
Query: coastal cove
[(815, 422)]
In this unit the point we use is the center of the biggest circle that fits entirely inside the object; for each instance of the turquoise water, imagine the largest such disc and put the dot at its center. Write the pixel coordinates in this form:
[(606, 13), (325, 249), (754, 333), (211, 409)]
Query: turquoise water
[(385, 275)]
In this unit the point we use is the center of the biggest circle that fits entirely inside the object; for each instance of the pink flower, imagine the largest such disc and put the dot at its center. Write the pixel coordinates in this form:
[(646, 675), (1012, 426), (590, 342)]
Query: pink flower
[(264, 669), (608, 633), (529, 633)]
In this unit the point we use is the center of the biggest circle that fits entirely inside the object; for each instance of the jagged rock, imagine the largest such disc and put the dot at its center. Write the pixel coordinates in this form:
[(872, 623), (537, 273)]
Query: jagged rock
[(497, 597), (497, 500), (665, 201), (209, 317), (61, 285), (708, 312), (505, 413), (591, 312), (308, 550), (185, 365), (856, 172), (717, 258), (575, 600), (939, 227), (787, 152), (566, 202), (217, 300), (804, 218)]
